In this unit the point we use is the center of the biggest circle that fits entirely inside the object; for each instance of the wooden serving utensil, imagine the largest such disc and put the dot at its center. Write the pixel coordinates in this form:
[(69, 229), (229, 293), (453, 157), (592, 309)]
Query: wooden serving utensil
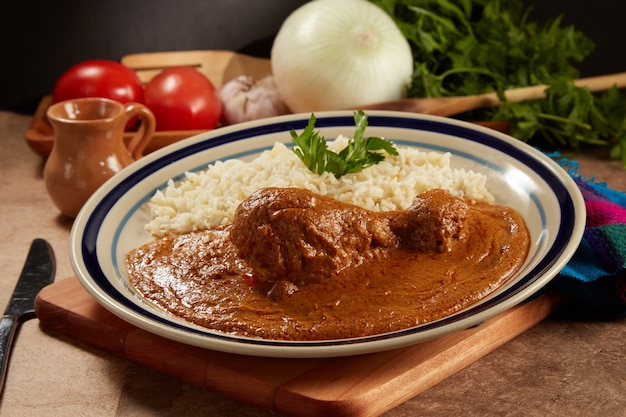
[(450, 106)]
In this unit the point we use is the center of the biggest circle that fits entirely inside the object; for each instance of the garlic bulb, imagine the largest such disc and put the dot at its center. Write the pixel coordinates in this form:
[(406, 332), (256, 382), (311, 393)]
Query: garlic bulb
[(244, 100), (331, 55)]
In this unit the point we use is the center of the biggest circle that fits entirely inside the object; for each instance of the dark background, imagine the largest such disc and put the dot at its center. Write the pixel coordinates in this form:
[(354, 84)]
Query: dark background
[(42, 38)]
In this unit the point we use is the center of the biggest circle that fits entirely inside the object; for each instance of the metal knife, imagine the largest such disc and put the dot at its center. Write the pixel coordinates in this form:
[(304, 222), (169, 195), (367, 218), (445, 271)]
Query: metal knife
[(38, 272)]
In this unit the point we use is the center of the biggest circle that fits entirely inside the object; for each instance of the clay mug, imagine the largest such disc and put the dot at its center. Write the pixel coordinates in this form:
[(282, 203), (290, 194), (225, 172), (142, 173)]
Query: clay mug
[(89, 147)]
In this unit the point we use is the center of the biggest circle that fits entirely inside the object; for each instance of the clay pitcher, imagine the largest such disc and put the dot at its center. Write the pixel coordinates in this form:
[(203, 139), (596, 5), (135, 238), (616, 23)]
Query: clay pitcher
[(89, 147)]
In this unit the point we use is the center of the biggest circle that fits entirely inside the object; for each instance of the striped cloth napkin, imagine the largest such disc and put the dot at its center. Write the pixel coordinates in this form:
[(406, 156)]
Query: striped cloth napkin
[(595, 278)]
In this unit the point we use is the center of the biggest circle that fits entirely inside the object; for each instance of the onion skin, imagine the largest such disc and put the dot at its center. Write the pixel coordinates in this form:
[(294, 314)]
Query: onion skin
[(332, 55)]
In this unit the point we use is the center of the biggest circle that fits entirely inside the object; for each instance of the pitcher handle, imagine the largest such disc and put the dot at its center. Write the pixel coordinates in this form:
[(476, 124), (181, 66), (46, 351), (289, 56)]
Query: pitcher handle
[(140, 140)]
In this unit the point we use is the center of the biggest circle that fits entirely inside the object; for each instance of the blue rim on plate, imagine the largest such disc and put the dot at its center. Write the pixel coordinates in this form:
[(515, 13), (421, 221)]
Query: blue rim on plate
[(112, 218)]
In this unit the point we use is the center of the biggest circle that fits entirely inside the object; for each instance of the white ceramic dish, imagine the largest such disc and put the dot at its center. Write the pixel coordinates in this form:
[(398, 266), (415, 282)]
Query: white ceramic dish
[(112, 222)]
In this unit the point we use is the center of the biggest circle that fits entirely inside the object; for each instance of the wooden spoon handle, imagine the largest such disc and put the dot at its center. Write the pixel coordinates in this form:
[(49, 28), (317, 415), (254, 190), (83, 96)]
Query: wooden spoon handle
[(450, 106), (603, 82), (599, 83)]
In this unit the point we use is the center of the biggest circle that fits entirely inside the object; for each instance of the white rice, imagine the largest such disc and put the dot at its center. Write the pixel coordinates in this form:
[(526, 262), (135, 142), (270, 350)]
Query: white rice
[(209, 198)]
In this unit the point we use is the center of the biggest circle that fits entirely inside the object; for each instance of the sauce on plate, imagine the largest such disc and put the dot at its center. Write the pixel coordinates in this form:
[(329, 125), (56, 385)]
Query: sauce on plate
[(298, 266)]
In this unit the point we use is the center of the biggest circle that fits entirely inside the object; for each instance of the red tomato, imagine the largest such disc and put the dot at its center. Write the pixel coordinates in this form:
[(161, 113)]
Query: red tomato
[(99, 78), (182, 98)]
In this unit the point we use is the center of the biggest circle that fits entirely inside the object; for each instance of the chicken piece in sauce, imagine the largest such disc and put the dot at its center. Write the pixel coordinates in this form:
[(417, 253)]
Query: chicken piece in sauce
[(295, 235)]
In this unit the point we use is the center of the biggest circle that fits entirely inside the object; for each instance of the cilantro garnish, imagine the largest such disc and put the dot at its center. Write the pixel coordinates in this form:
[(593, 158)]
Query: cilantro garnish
[(360, 152)]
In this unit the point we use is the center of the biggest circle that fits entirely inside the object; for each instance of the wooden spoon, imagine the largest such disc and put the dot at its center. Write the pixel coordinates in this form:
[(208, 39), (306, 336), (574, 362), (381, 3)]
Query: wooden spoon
[(449, 106)]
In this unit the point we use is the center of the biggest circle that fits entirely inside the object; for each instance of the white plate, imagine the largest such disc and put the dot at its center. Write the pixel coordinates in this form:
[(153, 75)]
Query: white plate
[(112, 222)]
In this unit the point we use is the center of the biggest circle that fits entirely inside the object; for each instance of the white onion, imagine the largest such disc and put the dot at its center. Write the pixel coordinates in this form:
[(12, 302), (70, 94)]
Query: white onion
[(340, 54)]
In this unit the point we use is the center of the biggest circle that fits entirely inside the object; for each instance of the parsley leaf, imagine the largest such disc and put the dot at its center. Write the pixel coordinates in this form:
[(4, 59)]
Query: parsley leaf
[(360, 152), (464, 47), (570, 116)]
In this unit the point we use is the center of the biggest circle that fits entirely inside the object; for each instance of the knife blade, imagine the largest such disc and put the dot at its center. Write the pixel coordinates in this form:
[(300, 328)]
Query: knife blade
[(38, 271)]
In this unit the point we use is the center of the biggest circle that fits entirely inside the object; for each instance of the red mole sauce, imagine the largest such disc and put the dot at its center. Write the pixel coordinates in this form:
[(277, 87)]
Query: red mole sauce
[(298, 266)]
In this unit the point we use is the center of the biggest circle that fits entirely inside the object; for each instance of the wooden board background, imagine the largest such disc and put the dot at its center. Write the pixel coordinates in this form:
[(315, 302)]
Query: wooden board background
[(363, 385)]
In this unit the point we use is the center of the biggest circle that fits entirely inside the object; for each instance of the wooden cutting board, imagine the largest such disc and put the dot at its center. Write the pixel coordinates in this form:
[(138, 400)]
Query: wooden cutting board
[(363, 385)]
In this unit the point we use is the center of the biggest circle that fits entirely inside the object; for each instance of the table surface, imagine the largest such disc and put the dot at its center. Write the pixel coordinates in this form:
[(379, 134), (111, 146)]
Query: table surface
[(561, 367)]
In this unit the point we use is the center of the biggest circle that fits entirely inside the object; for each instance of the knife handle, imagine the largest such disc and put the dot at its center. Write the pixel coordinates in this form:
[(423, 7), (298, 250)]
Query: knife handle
[(8, 325)]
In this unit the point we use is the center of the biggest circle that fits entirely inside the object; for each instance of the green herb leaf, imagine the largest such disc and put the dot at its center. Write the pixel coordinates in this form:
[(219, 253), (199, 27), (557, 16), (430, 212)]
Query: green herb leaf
[(570, 116), (360, 152), (464, 47)]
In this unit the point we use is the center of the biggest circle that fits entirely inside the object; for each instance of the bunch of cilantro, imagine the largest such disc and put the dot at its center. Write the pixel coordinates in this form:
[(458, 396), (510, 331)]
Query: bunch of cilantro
[(463, 47)]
